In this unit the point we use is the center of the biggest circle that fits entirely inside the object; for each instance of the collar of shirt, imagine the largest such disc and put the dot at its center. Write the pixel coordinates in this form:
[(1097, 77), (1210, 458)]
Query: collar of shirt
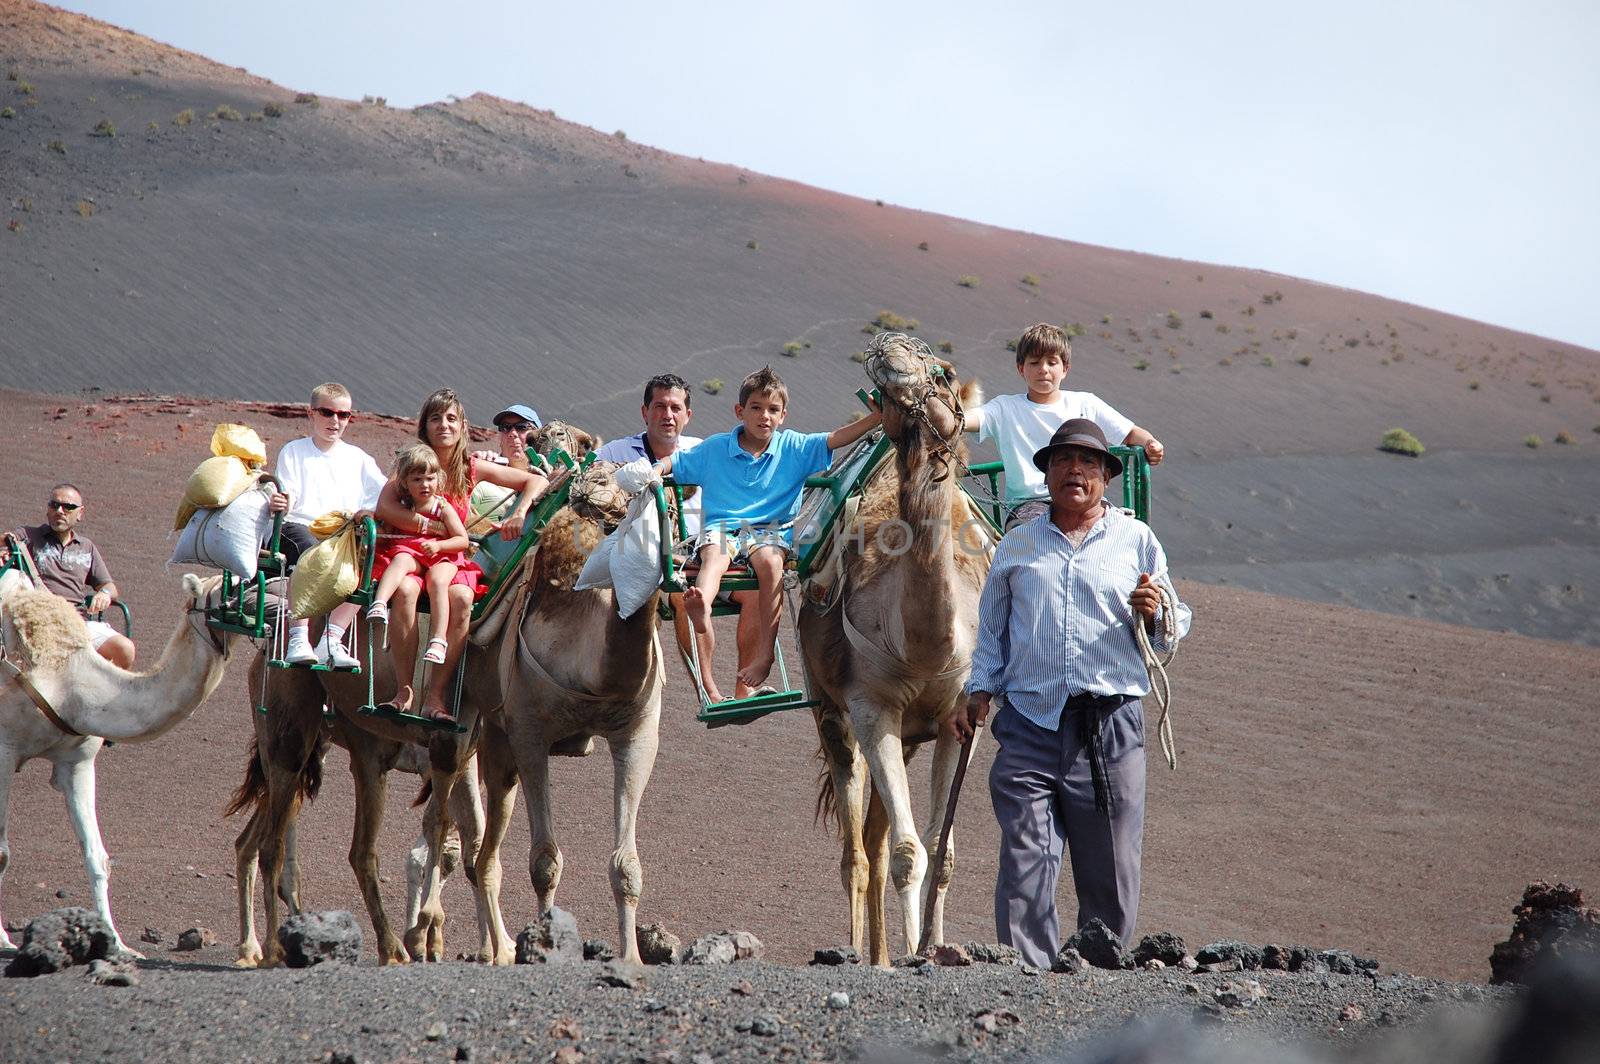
[(736, 449)]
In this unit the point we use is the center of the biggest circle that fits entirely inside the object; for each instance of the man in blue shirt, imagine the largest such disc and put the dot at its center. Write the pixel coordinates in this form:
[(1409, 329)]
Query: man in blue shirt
[(751, 479), (1055, 637)]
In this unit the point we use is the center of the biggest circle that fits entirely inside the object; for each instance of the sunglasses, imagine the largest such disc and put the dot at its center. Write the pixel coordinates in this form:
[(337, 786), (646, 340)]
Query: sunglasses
[(518, 426), (342, 415), (65, 507)]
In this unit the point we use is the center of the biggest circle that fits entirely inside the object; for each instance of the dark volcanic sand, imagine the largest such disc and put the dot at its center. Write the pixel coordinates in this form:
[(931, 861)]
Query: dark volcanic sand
[(1346, 778)]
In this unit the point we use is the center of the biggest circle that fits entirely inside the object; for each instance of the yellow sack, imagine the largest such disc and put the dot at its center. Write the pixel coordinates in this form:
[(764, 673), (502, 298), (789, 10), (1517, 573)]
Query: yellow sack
[(329, 523), (326, 575), (239, 441)]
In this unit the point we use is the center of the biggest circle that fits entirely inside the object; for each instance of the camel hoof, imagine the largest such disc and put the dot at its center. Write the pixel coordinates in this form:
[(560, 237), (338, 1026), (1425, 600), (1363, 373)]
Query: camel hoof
[(123, 953), (247, 962)]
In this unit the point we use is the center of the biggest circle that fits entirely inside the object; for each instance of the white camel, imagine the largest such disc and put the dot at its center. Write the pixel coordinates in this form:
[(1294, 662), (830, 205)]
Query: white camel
[(91, 700)]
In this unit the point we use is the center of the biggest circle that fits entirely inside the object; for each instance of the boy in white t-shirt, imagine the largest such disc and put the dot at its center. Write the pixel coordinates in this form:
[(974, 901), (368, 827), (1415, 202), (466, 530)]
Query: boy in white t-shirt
[(1021, 424), (317, 474)]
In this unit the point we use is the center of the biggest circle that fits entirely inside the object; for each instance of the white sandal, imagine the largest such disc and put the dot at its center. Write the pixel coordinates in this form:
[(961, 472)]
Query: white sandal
[(379, 612), (437, 649)]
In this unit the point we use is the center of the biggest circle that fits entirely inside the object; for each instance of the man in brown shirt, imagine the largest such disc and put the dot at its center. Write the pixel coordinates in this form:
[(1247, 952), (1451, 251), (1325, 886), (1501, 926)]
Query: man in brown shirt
[(71, 566)]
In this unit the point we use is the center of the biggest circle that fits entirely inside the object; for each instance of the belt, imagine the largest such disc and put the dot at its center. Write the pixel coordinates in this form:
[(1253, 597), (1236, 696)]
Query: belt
[(1093, 710)]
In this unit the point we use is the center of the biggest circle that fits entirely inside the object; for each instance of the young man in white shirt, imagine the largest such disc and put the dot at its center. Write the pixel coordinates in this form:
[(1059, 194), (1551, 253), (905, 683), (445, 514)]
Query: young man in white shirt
[(317, 474), (1021, 424)]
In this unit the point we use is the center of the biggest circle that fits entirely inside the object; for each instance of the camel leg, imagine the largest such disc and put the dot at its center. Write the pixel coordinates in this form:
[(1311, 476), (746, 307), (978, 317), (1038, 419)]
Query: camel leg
[(876, 846), (278, 813), (544, 856), (495, 945), (946, 755), (74, 778), (246, 850), (848, 770), (289, 874), (429, 922), (879, 736), (632, 760), (7, 772), (371, 786), (462, 842)]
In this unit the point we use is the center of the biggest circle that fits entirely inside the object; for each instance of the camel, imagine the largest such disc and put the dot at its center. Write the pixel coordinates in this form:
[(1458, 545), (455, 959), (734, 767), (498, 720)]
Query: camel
[(890, 646), (571, 669), (286, 764), (97, 701)]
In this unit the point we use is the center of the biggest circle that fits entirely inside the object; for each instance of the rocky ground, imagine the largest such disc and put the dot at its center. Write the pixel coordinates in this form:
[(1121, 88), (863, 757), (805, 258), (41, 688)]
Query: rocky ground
[(750, 1010)]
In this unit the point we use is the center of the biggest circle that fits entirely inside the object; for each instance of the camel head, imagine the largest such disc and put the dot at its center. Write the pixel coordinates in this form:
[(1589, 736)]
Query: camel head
[(205, 593), (920, 394), (595, 495), (554, 435)]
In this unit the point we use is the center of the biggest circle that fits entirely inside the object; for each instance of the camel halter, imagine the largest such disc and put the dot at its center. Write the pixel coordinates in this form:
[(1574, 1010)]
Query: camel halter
[(16, 676), (1155, 665), (916, 406)]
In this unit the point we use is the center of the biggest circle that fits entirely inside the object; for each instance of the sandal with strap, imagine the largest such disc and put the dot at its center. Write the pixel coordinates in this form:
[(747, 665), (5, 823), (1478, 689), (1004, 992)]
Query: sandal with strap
[(437, 649), (378, 612)]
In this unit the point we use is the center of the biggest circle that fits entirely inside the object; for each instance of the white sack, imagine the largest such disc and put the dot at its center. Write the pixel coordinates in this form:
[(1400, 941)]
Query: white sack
[(227, 538)]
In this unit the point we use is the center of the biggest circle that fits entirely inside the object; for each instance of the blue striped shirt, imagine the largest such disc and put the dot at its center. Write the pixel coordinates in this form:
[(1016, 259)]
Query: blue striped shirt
[(1054, 620)]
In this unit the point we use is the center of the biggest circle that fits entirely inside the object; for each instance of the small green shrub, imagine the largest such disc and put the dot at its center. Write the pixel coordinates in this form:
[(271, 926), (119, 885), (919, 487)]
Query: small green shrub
[(1030, 280), (1545, 398), (310, 99), (753, 245), (712, 386), (57, 147), (85, 209), (1207, 315), (103, 128), (1105, 319), (1224, 361), (1565, 438), (24, 88), (1304, 360), (1352, 342), (1073, 330), (183, 117), (1222, 327), (1173, 320), (376, 101), (1141, 365), (1532, 441), (272, 110), (923, 246), (967, 280), (6, 112), (1399, 441), (858, 356), (878, 202), (620, 135), (1011, 345), (888, 319), (1268, 361), (1176, 367), (152, 126), (946, 347), (224, 113), (255, 116), (1472, 386), (792, 348)]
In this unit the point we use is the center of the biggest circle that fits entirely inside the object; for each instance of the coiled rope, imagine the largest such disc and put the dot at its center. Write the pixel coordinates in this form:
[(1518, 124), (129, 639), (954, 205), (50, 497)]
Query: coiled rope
[(1155, 665)]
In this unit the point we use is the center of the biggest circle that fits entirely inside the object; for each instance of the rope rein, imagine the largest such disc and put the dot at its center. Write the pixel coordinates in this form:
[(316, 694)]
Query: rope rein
[(1155, 665)]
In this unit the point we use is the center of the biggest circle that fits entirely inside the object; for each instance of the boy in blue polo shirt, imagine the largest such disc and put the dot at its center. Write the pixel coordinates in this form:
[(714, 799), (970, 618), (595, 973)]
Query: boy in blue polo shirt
[(751, 480)]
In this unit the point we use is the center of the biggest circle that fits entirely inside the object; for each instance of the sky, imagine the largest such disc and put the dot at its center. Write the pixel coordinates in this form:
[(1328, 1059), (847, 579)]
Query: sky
[(1442, 153)]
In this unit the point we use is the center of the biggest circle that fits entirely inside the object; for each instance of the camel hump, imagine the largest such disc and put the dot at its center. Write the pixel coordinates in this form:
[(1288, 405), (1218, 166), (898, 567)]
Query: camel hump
[(42, 629)]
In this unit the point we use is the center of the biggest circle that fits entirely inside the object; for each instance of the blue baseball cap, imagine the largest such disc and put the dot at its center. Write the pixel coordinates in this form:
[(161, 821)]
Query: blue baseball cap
[(526, 413)]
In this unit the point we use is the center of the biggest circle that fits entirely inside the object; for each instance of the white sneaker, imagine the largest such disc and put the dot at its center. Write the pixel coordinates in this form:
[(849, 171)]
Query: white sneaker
[(336, 655), (299, 651)]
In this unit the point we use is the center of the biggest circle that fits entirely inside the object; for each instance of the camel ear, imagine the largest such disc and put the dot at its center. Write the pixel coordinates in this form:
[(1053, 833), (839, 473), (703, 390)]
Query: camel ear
[(587, 442), (970, 394), (192, 586)]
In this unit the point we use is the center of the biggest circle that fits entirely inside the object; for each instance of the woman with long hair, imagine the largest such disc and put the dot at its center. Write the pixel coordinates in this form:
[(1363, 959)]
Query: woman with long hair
[(442, 425)]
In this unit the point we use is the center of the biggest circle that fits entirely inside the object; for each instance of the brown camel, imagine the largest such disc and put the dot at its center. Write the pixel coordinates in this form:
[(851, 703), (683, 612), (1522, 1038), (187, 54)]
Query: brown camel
[(889, 645), (571, 669)]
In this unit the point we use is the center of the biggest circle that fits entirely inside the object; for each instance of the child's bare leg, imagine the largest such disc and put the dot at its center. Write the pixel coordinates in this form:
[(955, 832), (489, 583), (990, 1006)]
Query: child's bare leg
[(403, 640), (435, 702), (767, 563), (697, 604), (747, 635), (400, 567)]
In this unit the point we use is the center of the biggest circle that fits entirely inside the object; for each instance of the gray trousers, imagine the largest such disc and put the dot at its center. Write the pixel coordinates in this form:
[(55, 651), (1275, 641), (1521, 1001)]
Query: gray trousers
[(1043, 793)]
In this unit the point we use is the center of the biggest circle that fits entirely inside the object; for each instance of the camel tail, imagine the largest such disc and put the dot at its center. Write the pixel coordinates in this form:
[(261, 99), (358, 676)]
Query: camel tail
[(254, 787), (253, 790), (826, 812), (424, 793)]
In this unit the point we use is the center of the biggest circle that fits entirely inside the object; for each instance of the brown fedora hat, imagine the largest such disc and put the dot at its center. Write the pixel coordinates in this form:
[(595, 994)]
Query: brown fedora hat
[(1079, 432)]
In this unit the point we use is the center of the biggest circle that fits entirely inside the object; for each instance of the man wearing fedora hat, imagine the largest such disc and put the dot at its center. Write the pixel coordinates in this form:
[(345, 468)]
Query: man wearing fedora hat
[(1055, 639)]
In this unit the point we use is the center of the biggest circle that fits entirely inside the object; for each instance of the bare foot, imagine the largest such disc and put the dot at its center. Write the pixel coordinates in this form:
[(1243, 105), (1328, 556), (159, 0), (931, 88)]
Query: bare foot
[(437, 712), (755, 673), (698, 607), (402, 699), (713, 692)]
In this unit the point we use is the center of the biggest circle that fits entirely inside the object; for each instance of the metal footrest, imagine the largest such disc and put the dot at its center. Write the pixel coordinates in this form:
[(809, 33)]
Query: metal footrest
[(399, 717), (745, 710)]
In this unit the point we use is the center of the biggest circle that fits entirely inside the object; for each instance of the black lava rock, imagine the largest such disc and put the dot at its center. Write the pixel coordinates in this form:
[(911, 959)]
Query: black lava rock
[(722, 947), (1552, 921), (1163, 946), (993, 953), (320, 938), (61, 938), (553, 940), (1248, 956), (836, 956), (1343, 962), (1100, 946), (596, 950)]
